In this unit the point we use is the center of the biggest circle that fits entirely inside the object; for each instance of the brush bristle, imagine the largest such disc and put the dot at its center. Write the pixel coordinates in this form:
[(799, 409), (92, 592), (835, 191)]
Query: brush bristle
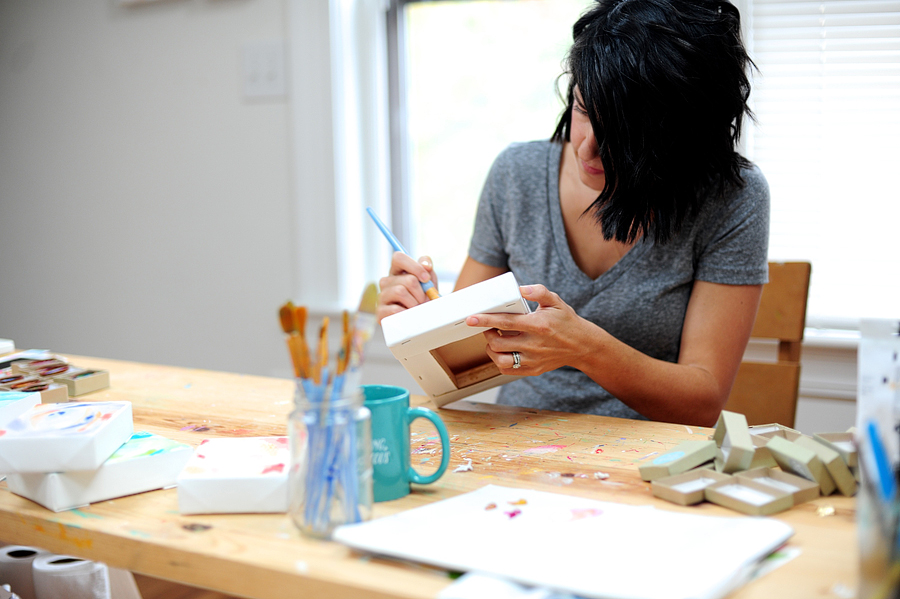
[(286, 315)]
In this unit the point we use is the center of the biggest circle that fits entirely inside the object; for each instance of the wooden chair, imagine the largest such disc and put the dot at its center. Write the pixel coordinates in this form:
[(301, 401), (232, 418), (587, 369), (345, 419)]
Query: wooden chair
[(767, 391)]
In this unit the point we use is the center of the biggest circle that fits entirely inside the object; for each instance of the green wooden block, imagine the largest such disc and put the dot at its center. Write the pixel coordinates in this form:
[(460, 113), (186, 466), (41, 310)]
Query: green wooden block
[(801, 461), (681, 458), (762, 457)]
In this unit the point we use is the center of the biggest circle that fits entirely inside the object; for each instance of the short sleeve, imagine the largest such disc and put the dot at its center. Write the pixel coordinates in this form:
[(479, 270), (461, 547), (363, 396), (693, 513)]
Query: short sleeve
[(487, 245), (733, 248)]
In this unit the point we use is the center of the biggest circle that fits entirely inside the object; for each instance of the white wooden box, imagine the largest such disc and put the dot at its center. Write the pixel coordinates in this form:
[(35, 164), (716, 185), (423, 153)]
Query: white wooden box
[(445, 356)]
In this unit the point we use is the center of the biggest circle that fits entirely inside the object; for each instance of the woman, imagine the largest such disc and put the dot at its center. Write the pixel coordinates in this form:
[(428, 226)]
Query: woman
[(639, 232)]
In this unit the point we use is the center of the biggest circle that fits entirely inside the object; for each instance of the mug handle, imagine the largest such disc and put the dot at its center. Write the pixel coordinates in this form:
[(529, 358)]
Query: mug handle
[(412, 414)]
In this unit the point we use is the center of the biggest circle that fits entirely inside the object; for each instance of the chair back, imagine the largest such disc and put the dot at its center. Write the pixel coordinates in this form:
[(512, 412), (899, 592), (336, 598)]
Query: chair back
[(767, 392)]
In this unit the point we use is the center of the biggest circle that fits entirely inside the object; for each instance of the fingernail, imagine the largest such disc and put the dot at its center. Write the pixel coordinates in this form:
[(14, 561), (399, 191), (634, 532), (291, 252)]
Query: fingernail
[(526, 289), (472, 321)]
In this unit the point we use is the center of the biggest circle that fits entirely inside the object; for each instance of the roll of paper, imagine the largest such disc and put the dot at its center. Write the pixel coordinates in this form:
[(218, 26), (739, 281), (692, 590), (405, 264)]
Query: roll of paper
[(16, 568), (58, 576)]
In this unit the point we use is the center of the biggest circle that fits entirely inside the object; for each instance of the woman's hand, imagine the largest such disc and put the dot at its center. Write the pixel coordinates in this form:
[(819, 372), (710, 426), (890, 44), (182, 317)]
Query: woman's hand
[(550, 337), (402, 288)]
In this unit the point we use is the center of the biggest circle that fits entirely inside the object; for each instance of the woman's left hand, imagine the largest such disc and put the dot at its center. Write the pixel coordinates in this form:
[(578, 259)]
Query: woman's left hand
[(550, 337)]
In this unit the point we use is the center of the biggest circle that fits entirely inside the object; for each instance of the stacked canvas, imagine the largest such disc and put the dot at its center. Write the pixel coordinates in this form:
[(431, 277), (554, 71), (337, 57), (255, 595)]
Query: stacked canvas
[(67, 455)]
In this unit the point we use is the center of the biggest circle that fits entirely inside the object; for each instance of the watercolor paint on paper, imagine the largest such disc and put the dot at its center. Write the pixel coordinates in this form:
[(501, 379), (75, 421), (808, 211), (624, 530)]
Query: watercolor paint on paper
[(15, 403)]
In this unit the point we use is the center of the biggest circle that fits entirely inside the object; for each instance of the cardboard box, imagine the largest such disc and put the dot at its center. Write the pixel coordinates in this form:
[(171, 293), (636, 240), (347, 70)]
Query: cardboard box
[(686, 488), (732, 437), (749, 497), (801, 461), (15, 403), (834, 464), (46, 389), (235, 476), (681, 458), (144, 463), (80, 381), (775, 430), (61, 437), (842, 443), (762, 457), (445, 356), (803, 490)]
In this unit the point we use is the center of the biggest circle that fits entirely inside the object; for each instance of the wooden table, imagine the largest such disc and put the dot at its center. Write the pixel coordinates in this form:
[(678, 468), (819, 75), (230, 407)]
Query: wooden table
[(264, 556)]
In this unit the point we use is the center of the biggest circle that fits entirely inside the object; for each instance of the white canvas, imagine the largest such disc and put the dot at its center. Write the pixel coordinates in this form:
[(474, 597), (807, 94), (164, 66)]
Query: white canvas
[(570, 544), (144, 463), (413, 334), (236, 476), (61, 437)]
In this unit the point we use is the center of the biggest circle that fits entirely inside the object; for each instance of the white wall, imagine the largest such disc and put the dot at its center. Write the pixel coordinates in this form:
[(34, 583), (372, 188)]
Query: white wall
[(145, 205)]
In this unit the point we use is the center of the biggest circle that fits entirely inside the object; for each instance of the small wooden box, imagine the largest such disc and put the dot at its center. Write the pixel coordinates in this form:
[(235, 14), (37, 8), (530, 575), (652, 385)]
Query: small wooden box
[(803, 490), (681, 458), (732, 437), (801, 461), (445, 356), (749, 497), (686, 488)]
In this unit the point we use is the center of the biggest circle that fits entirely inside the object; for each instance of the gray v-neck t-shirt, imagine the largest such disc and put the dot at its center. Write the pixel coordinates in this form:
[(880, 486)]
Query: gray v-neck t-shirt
[(642, 299)]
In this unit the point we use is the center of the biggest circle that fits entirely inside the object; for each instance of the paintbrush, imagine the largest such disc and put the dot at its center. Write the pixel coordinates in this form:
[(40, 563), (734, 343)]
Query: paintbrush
[(286, 316), (428, 286), (300, 346)]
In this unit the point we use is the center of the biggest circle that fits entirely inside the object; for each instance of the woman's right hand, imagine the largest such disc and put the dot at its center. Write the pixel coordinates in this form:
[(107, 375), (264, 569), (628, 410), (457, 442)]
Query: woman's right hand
[(402, 288)]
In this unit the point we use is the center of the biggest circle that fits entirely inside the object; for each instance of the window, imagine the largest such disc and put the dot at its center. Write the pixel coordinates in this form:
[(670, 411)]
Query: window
[(827, 99), (479, 75)]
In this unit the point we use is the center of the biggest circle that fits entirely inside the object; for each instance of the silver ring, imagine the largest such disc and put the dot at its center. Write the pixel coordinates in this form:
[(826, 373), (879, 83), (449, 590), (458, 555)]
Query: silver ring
[(517, 362)]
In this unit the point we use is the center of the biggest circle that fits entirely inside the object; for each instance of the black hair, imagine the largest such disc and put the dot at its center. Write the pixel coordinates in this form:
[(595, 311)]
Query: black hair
[(665, 86)]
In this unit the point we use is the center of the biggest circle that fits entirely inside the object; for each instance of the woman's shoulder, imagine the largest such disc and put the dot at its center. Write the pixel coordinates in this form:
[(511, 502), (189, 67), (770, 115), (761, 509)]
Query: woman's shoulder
[(526, 153), (755, 183)]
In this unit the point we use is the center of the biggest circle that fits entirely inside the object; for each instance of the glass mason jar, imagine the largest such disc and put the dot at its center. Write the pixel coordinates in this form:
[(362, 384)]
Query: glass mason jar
[(330, 480)]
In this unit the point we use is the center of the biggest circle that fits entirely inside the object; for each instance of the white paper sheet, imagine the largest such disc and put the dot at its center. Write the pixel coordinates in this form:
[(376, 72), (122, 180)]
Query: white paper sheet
[(590, 548)]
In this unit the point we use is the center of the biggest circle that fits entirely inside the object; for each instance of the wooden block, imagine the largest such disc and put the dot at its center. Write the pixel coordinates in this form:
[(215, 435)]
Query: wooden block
[(834, 463), (732, 437)]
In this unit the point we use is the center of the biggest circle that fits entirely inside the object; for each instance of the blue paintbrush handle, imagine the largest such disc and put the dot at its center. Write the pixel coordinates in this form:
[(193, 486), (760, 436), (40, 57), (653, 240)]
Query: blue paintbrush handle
[(398, 247)]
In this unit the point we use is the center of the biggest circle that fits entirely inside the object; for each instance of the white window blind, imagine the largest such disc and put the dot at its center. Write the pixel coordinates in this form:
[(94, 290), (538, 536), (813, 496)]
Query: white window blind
[(827, 100)]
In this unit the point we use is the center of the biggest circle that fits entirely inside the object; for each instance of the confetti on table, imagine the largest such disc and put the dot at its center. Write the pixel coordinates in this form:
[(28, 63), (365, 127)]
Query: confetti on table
[(467, 467), (519, 502), (825, 510), (601, 475)]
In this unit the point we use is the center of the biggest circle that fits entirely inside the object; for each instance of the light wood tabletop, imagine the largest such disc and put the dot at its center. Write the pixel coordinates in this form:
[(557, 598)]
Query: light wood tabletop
[(264, 556)]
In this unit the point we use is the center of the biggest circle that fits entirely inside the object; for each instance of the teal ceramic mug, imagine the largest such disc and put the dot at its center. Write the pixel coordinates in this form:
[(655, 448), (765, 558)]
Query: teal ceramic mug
[(391, 417)]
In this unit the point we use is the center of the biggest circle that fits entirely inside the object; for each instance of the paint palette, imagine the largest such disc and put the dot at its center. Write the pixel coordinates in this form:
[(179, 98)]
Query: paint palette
[(144, 463), (239, 475), (61, 437)]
